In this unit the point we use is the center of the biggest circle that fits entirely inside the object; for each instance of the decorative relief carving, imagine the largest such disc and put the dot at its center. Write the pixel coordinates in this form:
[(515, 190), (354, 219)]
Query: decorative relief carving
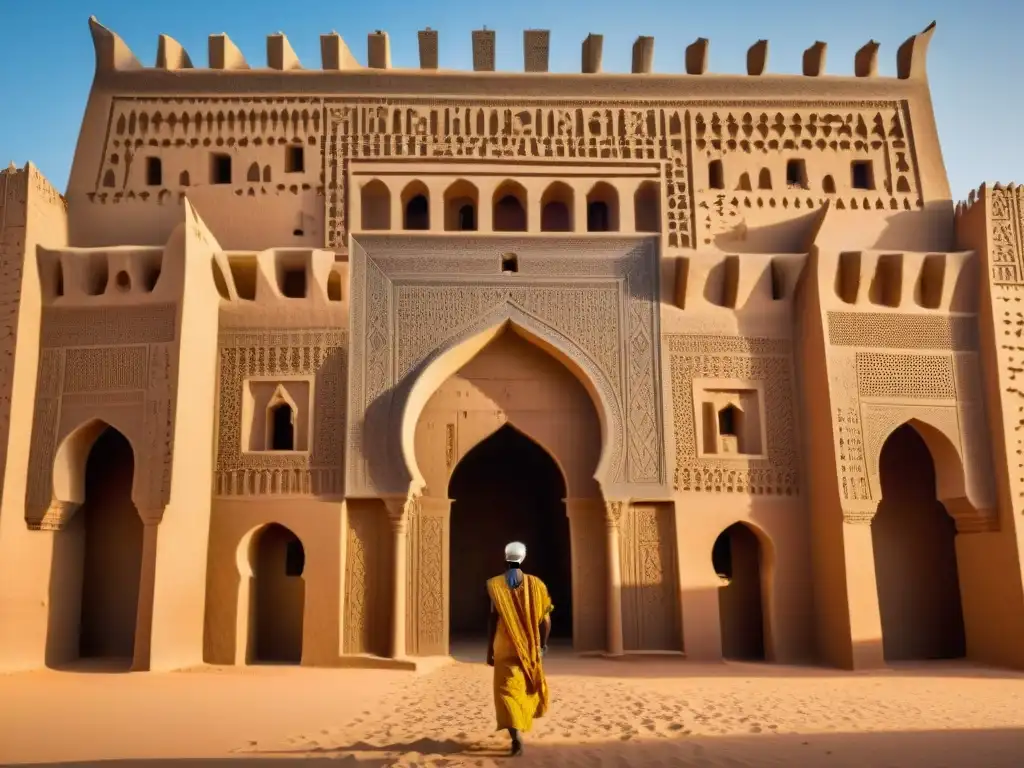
[(108, 326), (852, 470), (429, 593), (893, 330), (1006, 251), (698, 357), (315, 352), (405, 319), (650, 607), (1009, 318), (105, 369), (926, 377)]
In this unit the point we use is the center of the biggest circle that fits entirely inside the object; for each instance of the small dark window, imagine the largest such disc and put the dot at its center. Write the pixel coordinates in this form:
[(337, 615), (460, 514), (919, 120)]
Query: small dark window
[(294, 160), (467, 219), (863, 174), (597, 216), (727, 421), (796, 173), (293, 283), (716, 176), (282, 428), (294, 558), (721, 555), (220, 169), (509, 263), (298, 232), (417, 213), (154, 172)]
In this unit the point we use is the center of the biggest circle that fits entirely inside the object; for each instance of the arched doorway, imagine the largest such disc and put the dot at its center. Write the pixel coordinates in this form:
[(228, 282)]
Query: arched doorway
[(507, 488), (737, 558), (109, 531), (278, 596), (914, 541)]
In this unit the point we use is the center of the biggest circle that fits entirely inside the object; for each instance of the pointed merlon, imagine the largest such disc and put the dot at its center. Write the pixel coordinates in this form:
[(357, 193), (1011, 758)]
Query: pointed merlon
[(865, 61), (224, 54), (814, 59), (912, 56), (757, 58), (111, 51), (170, 54), (335, 54), (378, 50), (483, 50), (280, 54), (593, 50), (643, 55), (536, 47), (428, 48), (697, 57)]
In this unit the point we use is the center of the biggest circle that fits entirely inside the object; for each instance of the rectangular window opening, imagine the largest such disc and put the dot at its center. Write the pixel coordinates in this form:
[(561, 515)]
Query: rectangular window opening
[(294, 159), (863, 174), (154, 172), (220, 169), (796, 173)]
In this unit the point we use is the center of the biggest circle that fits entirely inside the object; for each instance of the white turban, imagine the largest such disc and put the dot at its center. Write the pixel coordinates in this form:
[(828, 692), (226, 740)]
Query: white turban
[(515, 552)]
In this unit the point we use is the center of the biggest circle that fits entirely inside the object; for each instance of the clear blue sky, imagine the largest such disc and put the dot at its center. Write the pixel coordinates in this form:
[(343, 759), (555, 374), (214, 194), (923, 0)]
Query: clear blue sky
[(976, 60)]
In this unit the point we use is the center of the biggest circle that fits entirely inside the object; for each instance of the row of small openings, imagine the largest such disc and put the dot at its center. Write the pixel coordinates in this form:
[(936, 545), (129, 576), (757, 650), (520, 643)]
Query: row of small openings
[(292, 280), (220, 168), (98, 278), (722, 286), (509, 208), (886, 286), (862, 176)]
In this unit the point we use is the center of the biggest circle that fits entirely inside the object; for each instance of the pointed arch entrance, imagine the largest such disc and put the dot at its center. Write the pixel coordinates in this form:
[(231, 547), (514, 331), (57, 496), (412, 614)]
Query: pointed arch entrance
[(916, 569), (98, 554), (277, 597), (506, 488)]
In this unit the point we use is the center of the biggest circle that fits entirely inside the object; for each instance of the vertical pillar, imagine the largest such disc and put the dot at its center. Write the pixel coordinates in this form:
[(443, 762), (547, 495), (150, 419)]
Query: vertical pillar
[(141, 656), (613, 516), (398, 515)]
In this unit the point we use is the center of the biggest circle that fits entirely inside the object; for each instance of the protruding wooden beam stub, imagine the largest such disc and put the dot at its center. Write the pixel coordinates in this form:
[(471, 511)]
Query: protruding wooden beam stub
[(335, 54), (643, 55), (814, 59), (171, 55), (378, 50), (697, 57), (912, 56), (483, 50), (536, 48), (428, 48), (224, 54), (593, 49), (280, 54), (111, 51), (757, 58), (865, 61)]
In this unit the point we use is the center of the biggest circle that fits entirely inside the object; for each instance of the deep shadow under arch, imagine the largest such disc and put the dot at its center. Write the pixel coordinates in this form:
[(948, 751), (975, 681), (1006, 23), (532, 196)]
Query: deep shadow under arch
[(94, 590), (506, 488), (737, 556), (278, 596), (914, 541)]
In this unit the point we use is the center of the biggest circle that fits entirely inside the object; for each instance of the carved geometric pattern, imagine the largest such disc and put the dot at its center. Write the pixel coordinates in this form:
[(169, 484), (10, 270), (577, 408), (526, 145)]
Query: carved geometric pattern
[(1006, 249), (320, 353), (650, 605), (778, 474), (927, 377), (901, 331), (405, 318), (108, 326)]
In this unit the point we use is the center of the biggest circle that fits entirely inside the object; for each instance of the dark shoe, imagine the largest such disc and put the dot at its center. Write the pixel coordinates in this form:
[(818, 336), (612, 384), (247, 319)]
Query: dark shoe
[(517, 748)]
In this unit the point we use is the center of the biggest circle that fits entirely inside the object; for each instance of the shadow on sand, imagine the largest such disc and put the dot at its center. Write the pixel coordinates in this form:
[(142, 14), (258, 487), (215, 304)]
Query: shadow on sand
[(951, 749)]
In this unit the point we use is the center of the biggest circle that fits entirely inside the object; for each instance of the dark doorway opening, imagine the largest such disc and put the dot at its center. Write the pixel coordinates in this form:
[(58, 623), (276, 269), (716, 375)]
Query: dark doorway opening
[(278, 596), (112, 557), (736, 556), (914, 541), (507, 488)]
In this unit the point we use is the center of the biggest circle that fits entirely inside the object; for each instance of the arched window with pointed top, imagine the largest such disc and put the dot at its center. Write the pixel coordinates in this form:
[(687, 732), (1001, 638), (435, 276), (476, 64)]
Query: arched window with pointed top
[(281, 422)]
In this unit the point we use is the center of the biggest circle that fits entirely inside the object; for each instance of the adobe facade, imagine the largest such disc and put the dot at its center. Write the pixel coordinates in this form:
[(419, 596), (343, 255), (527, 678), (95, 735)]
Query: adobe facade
[(299, 349)]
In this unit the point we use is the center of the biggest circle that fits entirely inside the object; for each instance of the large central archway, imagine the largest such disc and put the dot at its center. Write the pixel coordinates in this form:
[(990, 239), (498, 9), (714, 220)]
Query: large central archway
[(507, 488)]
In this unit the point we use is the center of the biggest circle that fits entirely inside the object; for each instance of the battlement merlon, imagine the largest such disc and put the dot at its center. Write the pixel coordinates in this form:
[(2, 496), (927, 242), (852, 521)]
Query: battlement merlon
[(114, 56)]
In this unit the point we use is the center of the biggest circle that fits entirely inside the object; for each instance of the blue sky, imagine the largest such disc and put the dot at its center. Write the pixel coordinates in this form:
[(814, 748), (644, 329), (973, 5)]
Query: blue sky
[(976, 60)]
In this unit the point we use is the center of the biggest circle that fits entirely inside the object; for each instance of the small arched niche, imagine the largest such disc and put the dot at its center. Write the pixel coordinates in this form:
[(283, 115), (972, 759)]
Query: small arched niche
[(647, 207), (556, 208), (510, 207), (277, 596), (461, 202), (739, 560), (375, 202), (416, 206), (602, 208), (282, 423)]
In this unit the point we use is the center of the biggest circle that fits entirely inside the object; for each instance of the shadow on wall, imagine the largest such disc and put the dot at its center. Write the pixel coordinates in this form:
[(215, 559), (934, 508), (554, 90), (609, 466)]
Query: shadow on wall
[(992, 748)]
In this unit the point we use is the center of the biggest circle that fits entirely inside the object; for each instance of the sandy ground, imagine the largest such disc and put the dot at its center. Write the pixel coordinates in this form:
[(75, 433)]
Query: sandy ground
[(636, 712)]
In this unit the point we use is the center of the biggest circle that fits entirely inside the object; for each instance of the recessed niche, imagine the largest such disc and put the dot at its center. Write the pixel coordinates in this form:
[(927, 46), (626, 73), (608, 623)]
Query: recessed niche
[(276, 414), (730, 418)]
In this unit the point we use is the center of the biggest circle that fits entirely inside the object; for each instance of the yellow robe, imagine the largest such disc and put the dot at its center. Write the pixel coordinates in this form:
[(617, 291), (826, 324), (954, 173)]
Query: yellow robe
[(520, 687)]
